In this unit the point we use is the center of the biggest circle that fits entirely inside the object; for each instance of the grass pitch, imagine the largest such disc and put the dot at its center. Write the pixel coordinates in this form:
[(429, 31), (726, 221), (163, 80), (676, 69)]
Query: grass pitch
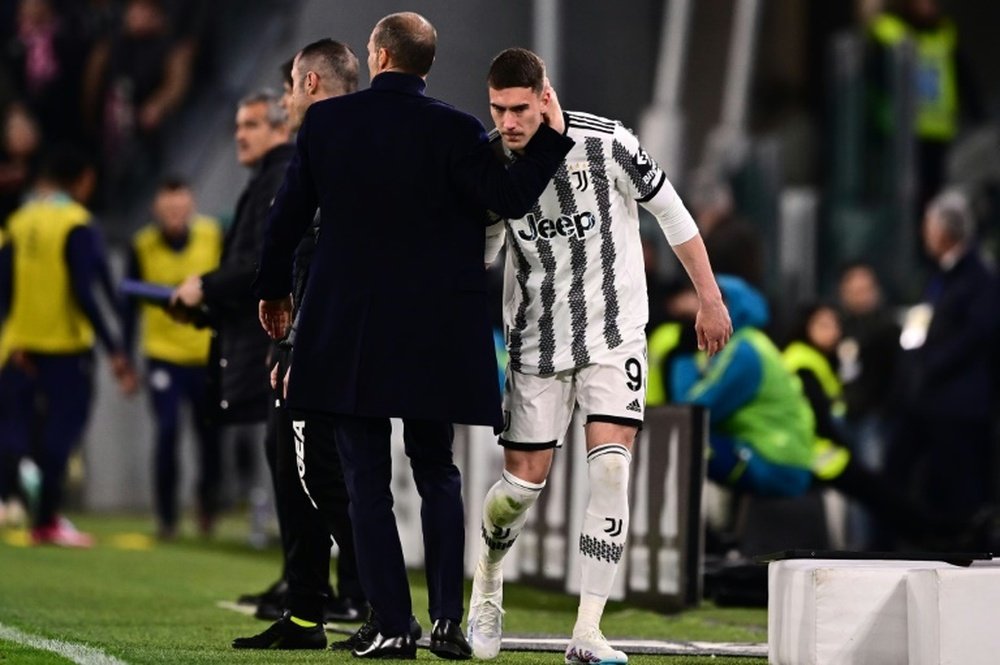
[(141, 601)]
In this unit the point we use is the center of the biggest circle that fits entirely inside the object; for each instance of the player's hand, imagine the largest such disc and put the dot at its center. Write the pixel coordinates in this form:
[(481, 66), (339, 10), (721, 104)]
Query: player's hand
[(125, 374), (276, 316), (189, 293), (553, 117), (713, 326), (284, 383), (22, 360)]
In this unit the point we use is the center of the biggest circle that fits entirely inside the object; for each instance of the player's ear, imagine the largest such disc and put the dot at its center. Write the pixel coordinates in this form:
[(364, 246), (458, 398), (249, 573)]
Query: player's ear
[(545, 97)]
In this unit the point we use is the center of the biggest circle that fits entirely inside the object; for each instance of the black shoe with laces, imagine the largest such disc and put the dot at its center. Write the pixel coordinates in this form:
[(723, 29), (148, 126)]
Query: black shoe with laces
[(364, 635), (285, 634)]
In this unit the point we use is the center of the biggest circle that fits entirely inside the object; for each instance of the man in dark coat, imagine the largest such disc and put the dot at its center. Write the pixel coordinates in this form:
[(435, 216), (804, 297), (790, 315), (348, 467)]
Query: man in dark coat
[(948, 385), (238, 359), (395, 319)]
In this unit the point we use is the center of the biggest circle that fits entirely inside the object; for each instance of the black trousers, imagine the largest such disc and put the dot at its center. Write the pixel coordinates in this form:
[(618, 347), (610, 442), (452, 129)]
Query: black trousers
[(364, 448), (305, 531)]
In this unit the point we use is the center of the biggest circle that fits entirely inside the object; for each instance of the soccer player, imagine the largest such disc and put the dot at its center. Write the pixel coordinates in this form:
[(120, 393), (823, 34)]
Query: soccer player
[(574, 312)]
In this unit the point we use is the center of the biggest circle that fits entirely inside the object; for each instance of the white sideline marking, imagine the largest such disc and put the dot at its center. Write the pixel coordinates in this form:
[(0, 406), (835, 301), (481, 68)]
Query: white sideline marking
[(78, 653)]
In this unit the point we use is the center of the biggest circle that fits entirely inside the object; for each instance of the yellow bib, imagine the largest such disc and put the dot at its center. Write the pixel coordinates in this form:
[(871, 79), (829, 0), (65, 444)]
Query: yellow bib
[(162, 337), (44, 315)]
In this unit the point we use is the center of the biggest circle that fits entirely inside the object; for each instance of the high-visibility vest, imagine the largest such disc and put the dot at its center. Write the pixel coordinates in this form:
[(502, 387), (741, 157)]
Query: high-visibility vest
[(936, 83), (799, 355), (662, 341), (44, 315), (159, 263)]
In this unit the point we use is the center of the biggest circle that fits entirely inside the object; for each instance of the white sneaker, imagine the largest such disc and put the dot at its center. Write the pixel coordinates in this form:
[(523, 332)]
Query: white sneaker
[(485, 622), (592, 648)]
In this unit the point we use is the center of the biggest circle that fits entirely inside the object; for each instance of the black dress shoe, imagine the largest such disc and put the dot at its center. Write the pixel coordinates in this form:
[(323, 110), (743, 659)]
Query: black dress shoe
[(364, 635), (345, 609), (285, 634), (398, 647), (448, 640)]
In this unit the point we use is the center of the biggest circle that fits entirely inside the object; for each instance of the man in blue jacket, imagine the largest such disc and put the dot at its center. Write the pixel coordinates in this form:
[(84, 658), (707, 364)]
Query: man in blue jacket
[(394, 321)]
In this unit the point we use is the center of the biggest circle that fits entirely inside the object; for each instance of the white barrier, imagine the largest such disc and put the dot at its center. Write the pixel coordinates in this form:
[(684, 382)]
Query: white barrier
[(952, 615), (873, 612)]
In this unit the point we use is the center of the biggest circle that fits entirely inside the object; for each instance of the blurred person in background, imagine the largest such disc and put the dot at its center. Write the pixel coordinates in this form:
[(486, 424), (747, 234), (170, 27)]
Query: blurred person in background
[(867, 357), (238, 371), (943, 87), (19, 151), (45, 57), (135, 78), (576, 310), (811, 355), (733, 243), (49, 267), (321, 70), (176, 244), (947, 384), (762, 431)]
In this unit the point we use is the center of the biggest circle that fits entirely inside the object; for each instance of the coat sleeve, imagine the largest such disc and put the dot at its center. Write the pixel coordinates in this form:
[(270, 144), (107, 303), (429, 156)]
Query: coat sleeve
[(290, 215), (508, 191)]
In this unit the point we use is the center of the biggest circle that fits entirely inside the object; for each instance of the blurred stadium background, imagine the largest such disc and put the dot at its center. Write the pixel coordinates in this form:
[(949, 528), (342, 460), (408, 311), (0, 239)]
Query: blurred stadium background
[(765, 96)]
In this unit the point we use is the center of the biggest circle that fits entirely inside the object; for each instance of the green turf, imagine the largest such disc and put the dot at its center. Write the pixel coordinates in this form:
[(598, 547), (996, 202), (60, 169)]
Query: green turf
[(15, 653), (158, 605)]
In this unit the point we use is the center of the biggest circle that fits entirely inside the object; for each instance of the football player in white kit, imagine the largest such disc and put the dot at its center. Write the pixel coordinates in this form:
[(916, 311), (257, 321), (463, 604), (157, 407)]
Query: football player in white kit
[(575, 308)]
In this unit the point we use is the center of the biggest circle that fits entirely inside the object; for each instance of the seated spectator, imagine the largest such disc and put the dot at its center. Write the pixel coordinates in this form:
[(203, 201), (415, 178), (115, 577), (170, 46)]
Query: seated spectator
[(762, 434)]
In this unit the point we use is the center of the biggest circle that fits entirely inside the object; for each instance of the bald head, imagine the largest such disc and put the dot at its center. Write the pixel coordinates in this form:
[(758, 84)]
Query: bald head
[(403, 42)]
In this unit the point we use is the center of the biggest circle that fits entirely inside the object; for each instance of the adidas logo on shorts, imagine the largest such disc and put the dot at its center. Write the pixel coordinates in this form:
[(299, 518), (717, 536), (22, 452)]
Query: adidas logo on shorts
[(634, 406)]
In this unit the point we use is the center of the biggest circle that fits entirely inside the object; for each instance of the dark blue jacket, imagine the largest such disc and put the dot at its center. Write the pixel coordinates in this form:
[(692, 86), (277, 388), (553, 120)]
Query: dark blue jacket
[(395, 318), (952, 374)]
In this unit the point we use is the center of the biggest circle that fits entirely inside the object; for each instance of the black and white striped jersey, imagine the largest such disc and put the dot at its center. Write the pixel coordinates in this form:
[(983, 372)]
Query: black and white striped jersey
[(574, 282)]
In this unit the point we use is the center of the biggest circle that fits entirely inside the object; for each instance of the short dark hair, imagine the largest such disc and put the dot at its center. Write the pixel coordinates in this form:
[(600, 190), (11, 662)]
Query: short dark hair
[(286, 72), (173, 183), (64, 165), (410, 39), (333, 60), (517, 68)]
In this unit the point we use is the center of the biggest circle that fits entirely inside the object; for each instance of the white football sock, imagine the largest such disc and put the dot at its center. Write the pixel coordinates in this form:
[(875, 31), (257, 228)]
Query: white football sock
[(605, 526), (505, 511)]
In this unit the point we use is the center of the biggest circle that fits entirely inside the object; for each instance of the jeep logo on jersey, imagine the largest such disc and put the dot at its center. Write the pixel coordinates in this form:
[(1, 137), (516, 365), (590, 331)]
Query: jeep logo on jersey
[(563, 225)]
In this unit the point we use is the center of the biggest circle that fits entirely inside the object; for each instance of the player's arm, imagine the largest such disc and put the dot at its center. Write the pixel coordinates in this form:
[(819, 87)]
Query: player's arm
[(640, 178), (511, 190), (128, 311), (85, 268)]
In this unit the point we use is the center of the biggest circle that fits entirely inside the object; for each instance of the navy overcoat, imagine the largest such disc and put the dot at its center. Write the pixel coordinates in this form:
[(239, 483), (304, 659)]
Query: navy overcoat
[(394, 321)]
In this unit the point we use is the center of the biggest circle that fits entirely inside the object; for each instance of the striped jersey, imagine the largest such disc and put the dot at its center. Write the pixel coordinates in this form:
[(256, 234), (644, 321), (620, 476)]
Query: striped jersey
[(574, 281)]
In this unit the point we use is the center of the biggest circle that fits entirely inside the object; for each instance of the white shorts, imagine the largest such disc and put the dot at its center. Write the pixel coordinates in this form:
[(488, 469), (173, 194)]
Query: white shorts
[(537, 409)]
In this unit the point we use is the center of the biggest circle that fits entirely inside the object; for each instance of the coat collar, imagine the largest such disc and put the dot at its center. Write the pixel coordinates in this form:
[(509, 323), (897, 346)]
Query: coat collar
[(277, 153), (399, 82)]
